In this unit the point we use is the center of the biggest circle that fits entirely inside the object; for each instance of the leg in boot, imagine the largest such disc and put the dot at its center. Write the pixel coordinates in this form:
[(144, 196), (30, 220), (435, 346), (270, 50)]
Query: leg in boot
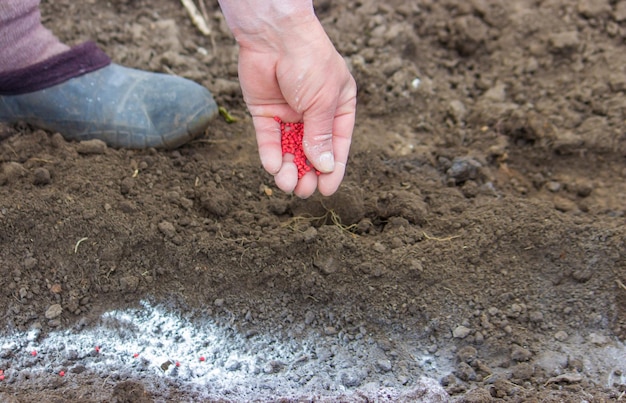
[(79, 93)]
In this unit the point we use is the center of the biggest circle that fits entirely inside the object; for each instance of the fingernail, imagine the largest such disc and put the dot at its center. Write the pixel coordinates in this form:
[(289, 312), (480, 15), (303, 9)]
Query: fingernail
[(326, 162)]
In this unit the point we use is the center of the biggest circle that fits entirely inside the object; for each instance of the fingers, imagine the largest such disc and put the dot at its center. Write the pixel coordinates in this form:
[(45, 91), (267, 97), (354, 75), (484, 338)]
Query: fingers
[(337, 146), (268, 141), (318, 137), (330, 148), (329, 183), (268, 134), (306, 185), (287, 178)]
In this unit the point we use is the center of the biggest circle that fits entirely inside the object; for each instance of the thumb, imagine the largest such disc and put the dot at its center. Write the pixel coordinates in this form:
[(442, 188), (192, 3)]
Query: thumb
[(317, 141)]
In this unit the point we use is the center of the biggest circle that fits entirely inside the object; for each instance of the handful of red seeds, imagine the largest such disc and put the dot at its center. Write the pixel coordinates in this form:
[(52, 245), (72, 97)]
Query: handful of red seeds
[(291, 142)]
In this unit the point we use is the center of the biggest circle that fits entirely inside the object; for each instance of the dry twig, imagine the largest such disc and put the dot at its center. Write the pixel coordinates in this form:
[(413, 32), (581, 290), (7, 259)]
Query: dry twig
[(196, 17), (78, 243), (446, 239)]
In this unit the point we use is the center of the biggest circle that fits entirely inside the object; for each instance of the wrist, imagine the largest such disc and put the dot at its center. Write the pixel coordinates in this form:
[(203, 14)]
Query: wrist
[(259, 24)]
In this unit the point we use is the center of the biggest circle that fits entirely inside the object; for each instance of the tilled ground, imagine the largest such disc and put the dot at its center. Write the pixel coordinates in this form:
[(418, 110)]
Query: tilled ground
[(476, 251)]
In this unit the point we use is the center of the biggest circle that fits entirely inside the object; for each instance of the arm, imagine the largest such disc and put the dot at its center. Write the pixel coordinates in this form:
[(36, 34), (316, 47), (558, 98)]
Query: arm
[(289, 68)]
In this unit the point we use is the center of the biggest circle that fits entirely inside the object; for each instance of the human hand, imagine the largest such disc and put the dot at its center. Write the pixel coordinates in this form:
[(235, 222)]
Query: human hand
[(294, 72)]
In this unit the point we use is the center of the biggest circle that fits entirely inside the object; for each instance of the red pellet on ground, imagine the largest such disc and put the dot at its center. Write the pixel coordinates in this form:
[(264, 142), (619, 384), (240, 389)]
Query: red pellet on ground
[(33, 353), (202, 359), (291, 142), (135, 355), (62, 373)]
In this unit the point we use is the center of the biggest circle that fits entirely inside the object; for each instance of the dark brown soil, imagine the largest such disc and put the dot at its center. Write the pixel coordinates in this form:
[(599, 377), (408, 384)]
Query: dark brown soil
[(479, 238)]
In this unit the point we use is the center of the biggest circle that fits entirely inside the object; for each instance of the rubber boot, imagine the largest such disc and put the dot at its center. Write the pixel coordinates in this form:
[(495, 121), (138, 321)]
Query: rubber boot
[(123, 107)]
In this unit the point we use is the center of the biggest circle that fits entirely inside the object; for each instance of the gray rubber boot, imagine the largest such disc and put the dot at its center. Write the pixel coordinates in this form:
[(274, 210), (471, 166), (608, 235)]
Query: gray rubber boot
[(123, 107)]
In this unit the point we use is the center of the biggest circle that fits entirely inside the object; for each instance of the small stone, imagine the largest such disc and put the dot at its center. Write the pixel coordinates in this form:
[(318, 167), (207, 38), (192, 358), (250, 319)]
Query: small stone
[(352, 379), (41, 177), (464, 372), (620, 11), (13, 171), (464, 169), (447, 380), (167, 229), (54, 311), (551, 362), (467, 354), (519, 353), (127, 185), (379, 247), (326, 264), (536, 317), (461, 332), (575, 364), (523, 371), (232, 365), (330, 330), (219, 302), (477, 395), (593, 8), (172, 197), (561, 335), (384, 365), (597, 339), (129, 283), (94, 146), (309, 235), (128, 206), (309, 317), (457, 111), (564, 205), (272, 367), (582, 275), (564, 42), (582, 188), (30, 263), (553, 186), (496, 93)]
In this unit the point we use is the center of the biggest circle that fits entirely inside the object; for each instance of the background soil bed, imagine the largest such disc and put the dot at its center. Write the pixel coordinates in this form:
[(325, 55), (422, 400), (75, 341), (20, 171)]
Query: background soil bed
[(478, 240)]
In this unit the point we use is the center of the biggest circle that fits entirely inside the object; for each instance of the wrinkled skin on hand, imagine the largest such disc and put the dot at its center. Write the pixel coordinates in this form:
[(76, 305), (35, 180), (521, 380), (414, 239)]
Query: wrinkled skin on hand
[(298, 75)]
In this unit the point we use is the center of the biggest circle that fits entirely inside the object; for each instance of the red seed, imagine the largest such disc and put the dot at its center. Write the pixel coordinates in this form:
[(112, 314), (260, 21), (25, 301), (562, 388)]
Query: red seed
[(135, 355), (62, 373), (177, 364), (34, 353), (291, 134), (97, 349), (202, 359)]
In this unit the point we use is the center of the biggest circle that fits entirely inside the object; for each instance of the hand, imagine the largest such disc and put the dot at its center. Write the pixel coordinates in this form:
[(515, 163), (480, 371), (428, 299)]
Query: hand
[(298, 75)]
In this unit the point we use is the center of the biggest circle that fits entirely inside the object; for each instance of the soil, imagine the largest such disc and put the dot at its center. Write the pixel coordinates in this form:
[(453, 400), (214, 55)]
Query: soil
[(475, 252)]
